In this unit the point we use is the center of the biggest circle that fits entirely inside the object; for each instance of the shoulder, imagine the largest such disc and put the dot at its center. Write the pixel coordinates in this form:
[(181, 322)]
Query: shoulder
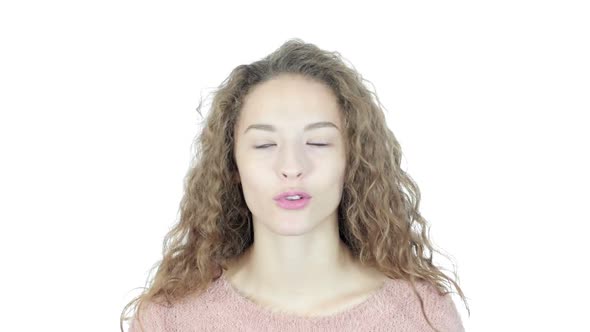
[(160, 317), (440, 309), (150, 317)]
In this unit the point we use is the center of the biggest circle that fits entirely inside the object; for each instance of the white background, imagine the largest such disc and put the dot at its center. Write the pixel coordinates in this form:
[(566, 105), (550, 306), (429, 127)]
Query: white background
[(489, 101)]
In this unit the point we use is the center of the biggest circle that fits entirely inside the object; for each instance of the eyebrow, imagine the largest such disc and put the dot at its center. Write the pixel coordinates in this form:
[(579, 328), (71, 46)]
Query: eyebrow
[(267, 127)]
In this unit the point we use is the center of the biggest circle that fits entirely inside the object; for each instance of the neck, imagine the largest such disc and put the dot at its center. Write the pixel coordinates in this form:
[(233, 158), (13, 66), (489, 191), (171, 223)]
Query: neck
[(283, 274)]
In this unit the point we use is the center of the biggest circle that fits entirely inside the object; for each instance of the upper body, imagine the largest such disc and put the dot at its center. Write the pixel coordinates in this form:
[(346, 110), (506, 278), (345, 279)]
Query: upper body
[(294, 199), (391, 307)]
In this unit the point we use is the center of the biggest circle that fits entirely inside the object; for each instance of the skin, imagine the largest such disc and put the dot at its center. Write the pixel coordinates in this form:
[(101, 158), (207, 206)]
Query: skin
[(297, 261)]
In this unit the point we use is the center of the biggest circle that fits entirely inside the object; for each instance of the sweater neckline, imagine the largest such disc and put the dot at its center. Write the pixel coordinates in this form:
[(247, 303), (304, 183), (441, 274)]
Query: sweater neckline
[(350, 311)]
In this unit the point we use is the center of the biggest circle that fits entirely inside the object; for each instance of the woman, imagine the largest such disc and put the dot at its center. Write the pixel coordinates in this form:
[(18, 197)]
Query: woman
[(296, 214)]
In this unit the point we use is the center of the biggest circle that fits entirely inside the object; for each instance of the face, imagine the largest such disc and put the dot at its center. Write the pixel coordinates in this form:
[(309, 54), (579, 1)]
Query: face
[(283, 155)]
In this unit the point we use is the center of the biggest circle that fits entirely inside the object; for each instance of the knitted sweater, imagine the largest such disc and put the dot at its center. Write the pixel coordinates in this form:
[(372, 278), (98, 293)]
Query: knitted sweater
[(393, 307)]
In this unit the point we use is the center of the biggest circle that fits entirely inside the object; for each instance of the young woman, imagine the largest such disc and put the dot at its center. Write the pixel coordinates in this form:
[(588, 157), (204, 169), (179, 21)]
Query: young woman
[(296, 213)]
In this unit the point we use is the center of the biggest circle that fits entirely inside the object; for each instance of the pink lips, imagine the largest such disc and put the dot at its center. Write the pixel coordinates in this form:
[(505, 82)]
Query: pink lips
[(291, 193), (292, 205)]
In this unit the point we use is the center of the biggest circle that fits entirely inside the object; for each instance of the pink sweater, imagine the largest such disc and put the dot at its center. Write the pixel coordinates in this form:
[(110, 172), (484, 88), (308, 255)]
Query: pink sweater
[(221, 308)]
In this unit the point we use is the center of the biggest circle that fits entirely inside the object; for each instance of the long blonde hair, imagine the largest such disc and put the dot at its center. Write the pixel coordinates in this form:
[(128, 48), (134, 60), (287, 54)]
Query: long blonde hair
[(378, 215)]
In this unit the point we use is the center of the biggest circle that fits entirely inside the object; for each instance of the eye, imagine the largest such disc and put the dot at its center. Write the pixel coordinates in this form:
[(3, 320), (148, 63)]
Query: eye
[(267, 145), (263, 146)]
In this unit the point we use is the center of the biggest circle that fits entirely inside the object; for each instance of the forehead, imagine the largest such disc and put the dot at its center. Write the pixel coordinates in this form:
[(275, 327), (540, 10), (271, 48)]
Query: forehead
[(290, 100)]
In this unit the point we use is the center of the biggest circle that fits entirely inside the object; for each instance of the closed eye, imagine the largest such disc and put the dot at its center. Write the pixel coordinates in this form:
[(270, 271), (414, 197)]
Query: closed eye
[(267, 145)]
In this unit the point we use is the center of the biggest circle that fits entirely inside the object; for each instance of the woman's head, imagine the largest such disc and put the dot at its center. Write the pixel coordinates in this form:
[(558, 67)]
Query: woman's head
[(296, 85), (358, 177)]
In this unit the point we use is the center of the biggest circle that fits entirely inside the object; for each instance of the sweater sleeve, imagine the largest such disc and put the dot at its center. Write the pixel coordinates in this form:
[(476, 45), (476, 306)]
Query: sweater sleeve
[(442, 311), (150, 319)]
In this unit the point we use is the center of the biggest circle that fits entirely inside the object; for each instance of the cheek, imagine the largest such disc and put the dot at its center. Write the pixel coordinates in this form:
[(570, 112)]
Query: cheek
[(251, 177), (254, 178), (334, 166)]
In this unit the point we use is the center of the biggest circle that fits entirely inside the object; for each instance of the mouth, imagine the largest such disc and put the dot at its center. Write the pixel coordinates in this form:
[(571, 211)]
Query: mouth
[(293, 203), (292, 196)]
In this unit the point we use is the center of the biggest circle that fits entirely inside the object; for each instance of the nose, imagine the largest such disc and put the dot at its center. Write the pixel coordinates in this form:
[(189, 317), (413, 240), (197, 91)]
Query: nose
[(292, 174), (292, 163)]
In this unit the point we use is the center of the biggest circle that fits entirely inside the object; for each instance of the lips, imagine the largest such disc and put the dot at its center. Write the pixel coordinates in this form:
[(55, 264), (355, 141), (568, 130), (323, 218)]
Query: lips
[(282, 195)]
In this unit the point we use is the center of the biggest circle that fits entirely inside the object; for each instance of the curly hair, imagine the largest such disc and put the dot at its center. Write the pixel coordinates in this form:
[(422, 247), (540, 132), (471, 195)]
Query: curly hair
[(378, 215)]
